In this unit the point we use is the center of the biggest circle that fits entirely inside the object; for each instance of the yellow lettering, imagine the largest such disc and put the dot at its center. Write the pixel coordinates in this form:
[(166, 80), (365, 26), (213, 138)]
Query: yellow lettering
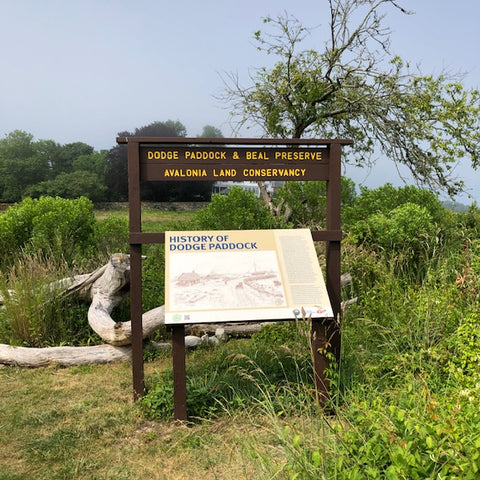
[(297, 155), (162, 155), (225, 172), (211, 155), (253, 155)]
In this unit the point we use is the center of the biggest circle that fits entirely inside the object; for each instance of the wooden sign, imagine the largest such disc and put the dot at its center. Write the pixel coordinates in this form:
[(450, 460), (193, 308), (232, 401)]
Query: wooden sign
[(197, 159), (167, 163)]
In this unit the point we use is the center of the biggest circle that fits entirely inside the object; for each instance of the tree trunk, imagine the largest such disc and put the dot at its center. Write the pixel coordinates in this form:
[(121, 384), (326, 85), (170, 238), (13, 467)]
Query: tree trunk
[(68, 356)]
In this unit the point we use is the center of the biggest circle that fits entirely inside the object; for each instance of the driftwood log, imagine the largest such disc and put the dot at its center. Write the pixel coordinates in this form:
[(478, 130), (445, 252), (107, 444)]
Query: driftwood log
[(63, 356), (108, 291), (68, 356), (104, 289)]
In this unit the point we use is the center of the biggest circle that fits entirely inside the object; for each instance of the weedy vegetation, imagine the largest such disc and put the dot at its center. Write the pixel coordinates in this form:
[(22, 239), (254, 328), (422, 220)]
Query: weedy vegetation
[(404, 399)]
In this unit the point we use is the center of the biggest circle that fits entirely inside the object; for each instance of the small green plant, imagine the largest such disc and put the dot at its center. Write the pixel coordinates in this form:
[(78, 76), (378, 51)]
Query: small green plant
[(111, 235), (239, 210), (242, 377)]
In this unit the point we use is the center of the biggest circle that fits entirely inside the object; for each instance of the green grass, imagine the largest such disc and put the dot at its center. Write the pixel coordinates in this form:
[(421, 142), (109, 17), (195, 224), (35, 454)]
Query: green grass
[(81, 423), (153, 220)]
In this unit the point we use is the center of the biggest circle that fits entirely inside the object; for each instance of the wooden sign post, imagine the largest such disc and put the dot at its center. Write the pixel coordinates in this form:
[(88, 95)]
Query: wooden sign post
[(212, 159)]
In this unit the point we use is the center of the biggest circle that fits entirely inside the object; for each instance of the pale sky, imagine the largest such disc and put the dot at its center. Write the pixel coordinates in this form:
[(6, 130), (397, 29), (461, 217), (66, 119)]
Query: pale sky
[(84, 70)]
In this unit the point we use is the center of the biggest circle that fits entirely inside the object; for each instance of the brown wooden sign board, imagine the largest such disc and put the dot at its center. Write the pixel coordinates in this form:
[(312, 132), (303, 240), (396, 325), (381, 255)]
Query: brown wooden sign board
[(214, 163), (200, 159)]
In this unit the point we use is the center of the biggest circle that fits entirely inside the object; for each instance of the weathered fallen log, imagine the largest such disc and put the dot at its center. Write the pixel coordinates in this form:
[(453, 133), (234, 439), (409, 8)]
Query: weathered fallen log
[(63, 356), (68, 356), (107, 288), (120, 333), (231, 329)]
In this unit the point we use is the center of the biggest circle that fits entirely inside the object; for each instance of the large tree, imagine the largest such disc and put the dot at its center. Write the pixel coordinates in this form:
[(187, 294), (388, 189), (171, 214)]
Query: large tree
[(117, 169), (355, 87), (22, 163)]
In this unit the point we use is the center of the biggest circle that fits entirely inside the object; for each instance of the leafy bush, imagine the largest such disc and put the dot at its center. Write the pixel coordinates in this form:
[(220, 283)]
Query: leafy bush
[(307, 201), (239, 210), (387, 198), (408, 229), (410, 435), (62, 227), (111, 235), (463, 347)]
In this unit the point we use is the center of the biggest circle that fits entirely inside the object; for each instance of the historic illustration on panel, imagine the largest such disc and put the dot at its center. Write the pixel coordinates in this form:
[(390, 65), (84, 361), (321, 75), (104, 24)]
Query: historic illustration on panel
[(226, 280)]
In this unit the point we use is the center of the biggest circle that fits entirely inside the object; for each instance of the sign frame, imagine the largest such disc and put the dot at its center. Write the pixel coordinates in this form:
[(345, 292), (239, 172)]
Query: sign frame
[(325, 332)]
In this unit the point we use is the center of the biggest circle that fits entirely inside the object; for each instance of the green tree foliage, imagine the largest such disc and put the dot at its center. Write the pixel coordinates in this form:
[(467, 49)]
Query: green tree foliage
[(355, 87), (211, 132), (34, 168), (239, 210), (76, 184), (307, 201), (69, 153), (64, 228), (92, 162), (22, 163)]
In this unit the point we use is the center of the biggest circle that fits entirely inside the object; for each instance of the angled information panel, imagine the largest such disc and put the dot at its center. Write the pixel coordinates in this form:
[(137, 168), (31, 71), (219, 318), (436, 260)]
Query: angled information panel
[(242, 275)]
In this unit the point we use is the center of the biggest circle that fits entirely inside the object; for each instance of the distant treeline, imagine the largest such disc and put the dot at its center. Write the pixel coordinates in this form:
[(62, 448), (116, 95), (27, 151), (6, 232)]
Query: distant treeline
[(34, 168)]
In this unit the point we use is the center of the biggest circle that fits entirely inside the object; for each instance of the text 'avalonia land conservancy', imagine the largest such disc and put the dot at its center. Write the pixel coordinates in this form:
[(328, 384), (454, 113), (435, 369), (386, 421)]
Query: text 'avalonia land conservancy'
[(232, 172)]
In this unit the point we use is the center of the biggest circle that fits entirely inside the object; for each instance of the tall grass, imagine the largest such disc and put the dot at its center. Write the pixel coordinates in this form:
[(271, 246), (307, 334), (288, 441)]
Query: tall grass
[(408, 379), (35, 313), (405, 395)]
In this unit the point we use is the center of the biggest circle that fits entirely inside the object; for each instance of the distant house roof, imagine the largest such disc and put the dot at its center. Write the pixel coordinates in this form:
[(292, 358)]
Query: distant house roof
[(188, 278)]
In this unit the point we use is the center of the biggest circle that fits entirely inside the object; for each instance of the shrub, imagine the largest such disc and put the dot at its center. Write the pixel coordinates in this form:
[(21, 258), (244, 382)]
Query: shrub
[(408, 229), (62, 227), (463, 347), (111, 235), (239, 210), (385, 199)]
